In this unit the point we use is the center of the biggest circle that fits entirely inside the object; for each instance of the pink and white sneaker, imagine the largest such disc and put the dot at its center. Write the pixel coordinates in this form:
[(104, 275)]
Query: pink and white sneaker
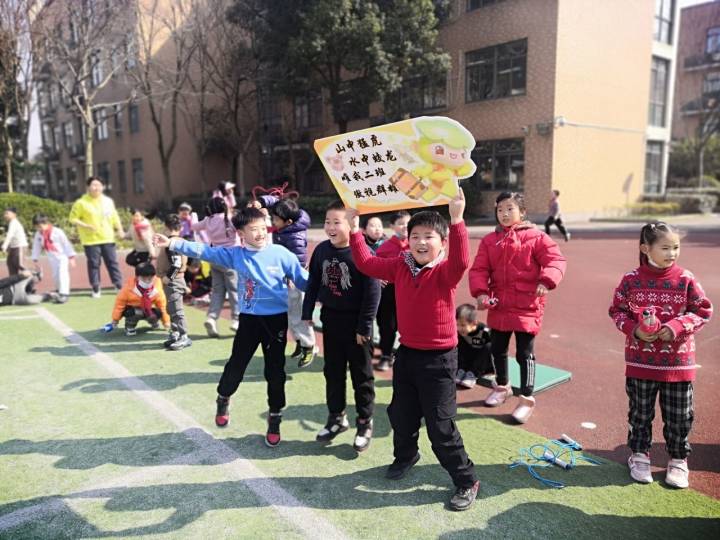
[(499, 395), (677, 473), (524, 410), (639, 464)]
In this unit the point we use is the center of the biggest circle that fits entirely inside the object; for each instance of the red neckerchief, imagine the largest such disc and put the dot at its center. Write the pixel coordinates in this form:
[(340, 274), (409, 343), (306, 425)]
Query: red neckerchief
[(47, 241), (145, 300)]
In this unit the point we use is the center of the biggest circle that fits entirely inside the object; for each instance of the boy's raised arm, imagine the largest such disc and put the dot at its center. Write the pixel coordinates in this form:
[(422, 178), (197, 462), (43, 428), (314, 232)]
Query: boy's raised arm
[(459, 256), (221, 256)]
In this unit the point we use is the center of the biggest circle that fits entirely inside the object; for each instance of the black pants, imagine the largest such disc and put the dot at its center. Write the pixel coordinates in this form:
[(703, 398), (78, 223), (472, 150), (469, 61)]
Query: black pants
[(500, 341), (424, 386), (475, 359), (15, 260), (134, 315), (341, 349), (558, 222), (387, 319), (271, 332), (107, 252)]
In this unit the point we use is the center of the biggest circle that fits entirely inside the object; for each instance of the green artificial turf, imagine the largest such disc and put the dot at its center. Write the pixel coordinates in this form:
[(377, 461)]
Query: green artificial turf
[(74, 430)]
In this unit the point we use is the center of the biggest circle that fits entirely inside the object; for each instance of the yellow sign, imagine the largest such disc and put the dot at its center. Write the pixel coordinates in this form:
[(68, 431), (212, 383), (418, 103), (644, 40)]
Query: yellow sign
[(407, 164)]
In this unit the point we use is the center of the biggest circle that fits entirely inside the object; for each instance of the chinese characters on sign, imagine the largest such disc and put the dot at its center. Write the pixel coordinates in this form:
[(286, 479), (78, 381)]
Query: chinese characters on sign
[(406, 164)]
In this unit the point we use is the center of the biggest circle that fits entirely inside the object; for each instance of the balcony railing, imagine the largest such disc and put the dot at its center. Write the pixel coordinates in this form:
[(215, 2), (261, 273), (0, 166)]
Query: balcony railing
[(702, 61), (704, 104)]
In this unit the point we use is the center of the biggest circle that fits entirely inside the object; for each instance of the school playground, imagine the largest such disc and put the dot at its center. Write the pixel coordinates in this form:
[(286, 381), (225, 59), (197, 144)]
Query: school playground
[(107, 437)]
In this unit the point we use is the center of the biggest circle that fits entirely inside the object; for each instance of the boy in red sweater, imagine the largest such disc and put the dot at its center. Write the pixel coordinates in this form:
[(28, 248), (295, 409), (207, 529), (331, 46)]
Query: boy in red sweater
[(387, 311), (423, 379)]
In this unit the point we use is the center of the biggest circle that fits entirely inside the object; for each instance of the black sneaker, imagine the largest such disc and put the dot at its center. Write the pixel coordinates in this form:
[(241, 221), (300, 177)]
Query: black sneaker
[(172, 338), (398, 469), (222, 416), (272, 437), (336, 424), (306, 357), (363, 435), (464, 497), (296, 353), (384, 363)]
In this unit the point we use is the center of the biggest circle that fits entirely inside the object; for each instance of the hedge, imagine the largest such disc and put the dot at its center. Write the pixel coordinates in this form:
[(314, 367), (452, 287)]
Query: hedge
[(29, 205)]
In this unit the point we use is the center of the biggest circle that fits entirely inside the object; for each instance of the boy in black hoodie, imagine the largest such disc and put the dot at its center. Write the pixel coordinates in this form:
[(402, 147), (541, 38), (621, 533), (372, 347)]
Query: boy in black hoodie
[(349, 303)]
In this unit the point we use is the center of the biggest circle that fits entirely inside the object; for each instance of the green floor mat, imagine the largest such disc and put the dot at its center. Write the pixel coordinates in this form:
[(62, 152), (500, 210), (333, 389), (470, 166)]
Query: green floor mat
[(546, 377)]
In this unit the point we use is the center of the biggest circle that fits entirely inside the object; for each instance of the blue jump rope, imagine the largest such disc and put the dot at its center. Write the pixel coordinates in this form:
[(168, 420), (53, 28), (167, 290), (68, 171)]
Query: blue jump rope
[(563, 452)]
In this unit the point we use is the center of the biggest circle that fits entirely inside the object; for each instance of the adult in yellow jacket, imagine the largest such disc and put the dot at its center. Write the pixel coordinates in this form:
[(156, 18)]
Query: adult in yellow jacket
[(97, 220), (141, 298)]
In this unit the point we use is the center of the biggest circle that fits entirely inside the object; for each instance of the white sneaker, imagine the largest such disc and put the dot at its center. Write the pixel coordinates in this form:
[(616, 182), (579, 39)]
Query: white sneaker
[(459, 376), (96, 294), (499, 395), (524, 410), (211, 328), (469, 380), (639, 464), (677, 473), (235, 324)]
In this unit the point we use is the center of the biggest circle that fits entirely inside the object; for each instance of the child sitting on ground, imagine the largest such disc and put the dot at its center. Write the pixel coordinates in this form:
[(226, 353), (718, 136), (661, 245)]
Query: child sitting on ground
[(60, 254), (140, 299), (474, 358), (426, 361)]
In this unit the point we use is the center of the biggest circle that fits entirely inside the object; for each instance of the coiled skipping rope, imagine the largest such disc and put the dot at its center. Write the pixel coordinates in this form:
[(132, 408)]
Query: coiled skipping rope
[(554, 452)]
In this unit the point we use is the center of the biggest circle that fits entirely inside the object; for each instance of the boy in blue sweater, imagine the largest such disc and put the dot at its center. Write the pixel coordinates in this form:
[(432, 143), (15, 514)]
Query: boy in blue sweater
[(291, 224), (262, 272)]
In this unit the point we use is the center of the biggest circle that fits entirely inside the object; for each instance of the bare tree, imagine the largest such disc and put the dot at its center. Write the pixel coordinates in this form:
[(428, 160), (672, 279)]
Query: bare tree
[(16, 82), (167, 44), (223, 104), (84, 44)]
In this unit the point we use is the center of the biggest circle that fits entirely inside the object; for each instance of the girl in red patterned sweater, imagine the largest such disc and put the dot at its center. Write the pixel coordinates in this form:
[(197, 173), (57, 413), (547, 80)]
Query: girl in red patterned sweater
[(659, 306)]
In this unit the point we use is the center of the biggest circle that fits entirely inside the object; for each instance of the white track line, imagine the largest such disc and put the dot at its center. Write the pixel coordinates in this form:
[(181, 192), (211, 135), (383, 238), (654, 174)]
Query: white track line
[(306, 520), (17, 317)]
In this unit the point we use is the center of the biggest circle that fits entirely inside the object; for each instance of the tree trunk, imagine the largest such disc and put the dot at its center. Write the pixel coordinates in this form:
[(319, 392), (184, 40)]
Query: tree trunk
[(701, 166), (165, 164), (89, 133), (9, 153)]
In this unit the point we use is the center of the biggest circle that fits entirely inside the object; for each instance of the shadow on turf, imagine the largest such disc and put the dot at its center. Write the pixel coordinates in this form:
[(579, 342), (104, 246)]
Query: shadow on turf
[(704, 457), (156, 381), (567, 522)]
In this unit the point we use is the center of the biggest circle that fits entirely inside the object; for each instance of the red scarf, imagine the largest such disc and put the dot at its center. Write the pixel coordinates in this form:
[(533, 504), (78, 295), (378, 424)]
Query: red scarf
[(140, 228), (46, 240), (145, 300)]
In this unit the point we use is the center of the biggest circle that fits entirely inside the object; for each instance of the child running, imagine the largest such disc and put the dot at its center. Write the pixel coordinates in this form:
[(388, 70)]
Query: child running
[(516, 265), (220, 233), (474, 357), (349, 303), (291, 224), (423, 378), (659, 307), (387, 311), (60, 255), (263, 269), (171, 268), (140, 299)]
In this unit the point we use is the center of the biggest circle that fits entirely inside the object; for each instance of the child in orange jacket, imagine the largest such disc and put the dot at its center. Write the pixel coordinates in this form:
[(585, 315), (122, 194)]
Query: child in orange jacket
[(141, 298)]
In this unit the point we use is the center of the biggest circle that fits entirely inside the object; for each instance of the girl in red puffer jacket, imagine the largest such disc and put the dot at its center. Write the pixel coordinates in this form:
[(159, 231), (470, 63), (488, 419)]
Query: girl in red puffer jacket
[(515, 267)]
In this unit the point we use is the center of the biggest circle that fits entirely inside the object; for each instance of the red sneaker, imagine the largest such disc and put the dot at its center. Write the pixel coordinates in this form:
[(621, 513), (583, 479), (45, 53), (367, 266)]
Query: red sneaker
[(222, 416), (272, 437)]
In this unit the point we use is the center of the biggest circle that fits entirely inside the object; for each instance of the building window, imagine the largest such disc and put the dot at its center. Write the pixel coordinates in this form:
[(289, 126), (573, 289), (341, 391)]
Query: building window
[(118, 118), (57, 137), (101, 124), (653, 166), (130, 52), (658, 92), (71, 175), (417, 96), (137, 174), (96, 71), (496, 72), (47, 138), (500, 164), (59, 180), (268, 112), (103, 171), (664, 11), (711, 83), (308, 110), (122, 178), (134, 118), (477, 4), (712, 44), (68, 135)]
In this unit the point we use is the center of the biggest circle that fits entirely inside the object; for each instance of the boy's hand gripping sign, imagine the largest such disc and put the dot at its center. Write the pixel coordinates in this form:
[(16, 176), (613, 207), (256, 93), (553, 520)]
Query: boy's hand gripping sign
[(407, 164)]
